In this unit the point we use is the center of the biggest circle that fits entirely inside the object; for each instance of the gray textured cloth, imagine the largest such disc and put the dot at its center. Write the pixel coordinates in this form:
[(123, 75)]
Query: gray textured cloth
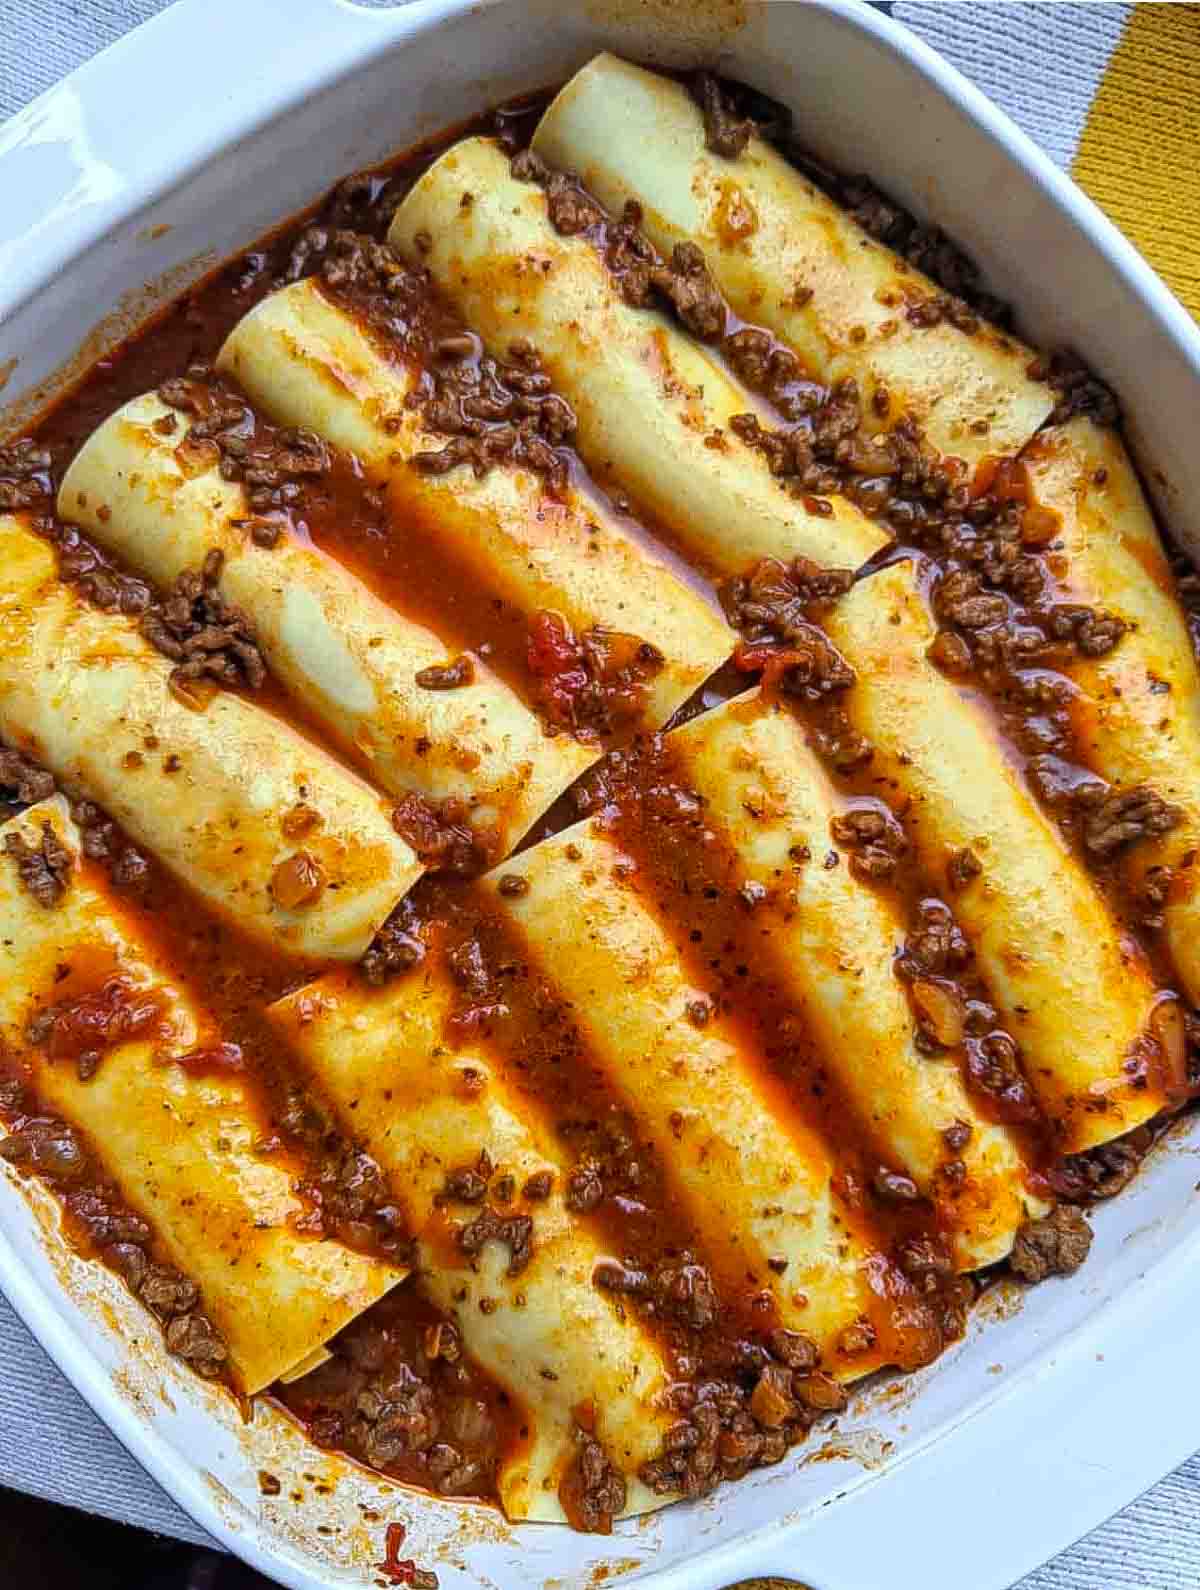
[(50, 1442)]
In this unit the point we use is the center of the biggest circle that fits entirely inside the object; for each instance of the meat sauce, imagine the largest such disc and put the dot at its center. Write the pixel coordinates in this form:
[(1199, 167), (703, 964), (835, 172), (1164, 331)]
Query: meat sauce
[(400, 1393)]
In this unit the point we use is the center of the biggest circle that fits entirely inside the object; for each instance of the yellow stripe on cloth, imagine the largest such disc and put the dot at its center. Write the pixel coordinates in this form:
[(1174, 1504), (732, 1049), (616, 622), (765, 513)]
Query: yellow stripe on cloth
[(1139, 156)]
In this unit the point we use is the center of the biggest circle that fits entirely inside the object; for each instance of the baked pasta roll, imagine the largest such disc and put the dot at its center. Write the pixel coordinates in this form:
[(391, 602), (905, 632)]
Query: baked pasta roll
[(756, 1178), (788, 258), (654, 407), (523, 1296), (1077, 997), (1135, 710), (826, 941), (135, 1093), (379, 681), (259, 821), (305, 360)]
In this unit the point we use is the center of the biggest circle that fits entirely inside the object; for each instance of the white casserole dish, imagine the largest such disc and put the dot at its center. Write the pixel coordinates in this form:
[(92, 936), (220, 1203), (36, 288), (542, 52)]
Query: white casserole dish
[(179, 146)]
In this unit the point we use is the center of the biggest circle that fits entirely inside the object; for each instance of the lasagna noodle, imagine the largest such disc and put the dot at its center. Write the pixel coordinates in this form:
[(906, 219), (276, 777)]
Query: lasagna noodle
[(551, 1337), (755, 1179), (788, 258), (1136, 711), (1073, 992), (348, 658), (653, 406), (305, 361), (828, 942), (179, 1148), (208, 791)]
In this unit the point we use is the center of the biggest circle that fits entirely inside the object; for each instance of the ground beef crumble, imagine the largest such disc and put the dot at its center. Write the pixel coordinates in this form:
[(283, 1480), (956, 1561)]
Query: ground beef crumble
[(274, 464), (44, 868), (401, 1394), (591, 1491), (448, 676), (1123, 817), (585, 1188), (512, 1231), (346, 1194), (994, 1069), (22, 781), (996, 592), (774, 599), (826, 452), (1056, 1245), (677, 1288), (493, 413), (593, 684), (354, 263), (874, 838), (1150, 897), (468, 1184), (964, 866), (1080, 392), (771, 606), (686, 283), (951, 1012), (1107, 820), (470, 969), (93, 575), (936, 943), (725, 133), (769, 367), (683, 284), (570, 208), (102, 840), (25, 480), (1102, 1172), (445, 834), (838, 742), (82, 1029), (396, 948), (629, 256), (745, 1404), (609, 1161), (203, 635)]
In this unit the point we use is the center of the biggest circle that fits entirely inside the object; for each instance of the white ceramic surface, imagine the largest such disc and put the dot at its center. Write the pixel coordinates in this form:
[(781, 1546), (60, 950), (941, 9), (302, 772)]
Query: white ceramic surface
[(176, 148)]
